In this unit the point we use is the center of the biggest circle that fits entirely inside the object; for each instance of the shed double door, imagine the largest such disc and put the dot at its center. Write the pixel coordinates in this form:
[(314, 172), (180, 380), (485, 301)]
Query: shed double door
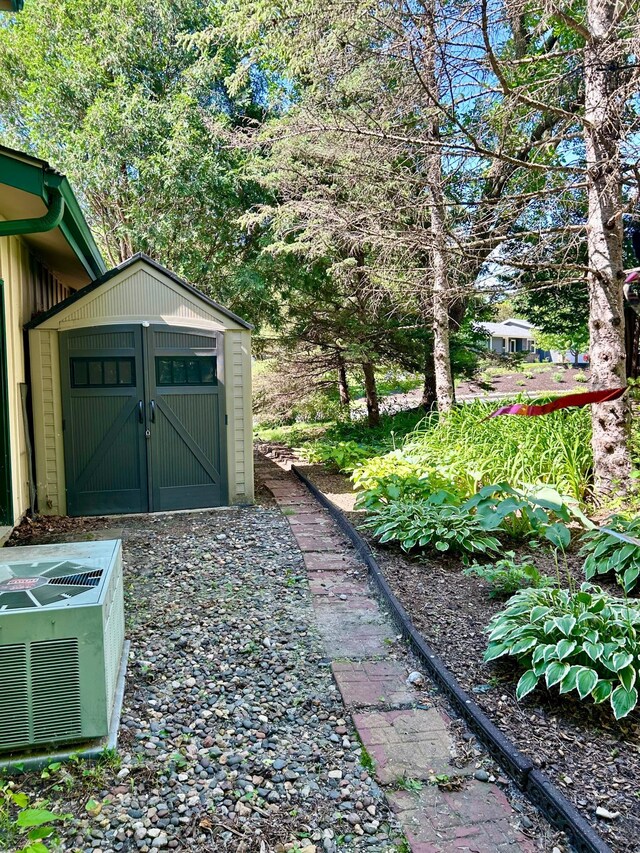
[(143, 416)]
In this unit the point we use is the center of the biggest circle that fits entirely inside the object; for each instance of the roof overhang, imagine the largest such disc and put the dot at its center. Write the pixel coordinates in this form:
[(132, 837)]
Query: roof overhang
[(26, 188)]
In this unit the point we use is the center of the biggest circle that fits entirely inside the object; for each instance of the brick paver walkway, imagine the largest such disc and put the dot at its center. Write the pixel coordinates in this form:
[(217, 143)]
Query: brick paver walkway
[(406, 738)]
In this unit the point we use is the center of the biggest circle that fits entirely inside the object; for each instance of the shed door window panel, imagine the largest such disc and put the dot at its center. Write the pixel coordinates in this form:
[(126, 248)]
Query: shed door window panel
[(186, 370), (103, 372)]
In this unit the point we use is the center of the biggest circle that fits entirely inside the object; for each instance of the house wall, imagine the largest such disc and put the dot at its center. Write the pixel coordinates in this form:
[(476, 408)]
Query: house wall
[(138, 295), (28, 289)]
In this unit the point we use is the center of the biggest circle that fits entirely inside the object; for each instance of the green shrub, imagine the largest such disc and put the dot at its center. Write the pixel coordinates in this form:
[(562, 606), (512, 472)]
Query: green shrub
[(558, 377), (507, 576), (581, 376), (585, 641), (435, 523), (370, 474), (607, 554), (372, 471), (400, 488), (343, 455)]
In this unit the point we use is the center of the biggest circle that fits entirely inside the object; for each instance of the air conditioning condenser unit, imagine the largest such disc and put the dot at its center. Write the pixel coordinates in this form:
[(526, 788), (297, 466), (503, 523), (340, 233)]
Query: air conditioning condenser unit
[(61, 642)]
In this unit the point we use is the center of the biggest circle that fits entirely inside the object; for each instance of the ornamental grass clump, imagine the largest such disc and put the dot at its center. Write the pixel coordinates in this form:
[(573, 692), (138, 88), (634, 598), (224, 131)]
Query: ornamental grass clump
[(584, 641), (553, 450), (606, 554), (435, 523)]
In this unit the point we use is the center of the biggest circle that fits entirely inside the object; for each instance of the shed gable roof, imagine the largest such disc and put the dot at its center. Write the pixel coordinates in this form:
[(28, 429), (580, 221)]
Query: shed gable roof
[(139, 286)]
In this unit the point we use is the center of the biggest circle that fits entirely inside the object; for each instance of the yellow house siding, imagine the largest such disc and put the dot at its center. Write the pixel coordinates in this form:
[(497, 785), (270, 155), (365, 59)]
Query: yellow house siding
[(14, 271)]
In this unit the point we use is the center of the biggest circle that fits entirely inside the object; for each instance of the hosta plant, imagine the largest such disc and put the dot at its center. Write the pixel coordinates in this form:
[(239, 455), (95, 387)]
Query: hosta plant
[(374, 472), (435, 523), (401, 488), (522, 513), (607, 554), (585, 641)]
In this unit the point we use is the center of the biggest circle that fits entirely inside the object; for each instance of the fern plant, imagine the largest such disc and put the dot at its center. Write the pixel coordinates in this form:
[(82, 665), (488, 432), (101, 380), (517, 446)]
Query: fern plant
[(585, 641), (607, 554)]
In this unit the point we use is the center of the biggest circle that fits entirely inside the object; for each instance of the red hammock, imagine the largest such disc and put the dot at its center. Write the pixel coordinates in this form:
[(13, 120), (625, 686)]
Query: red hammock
[(579, 399)]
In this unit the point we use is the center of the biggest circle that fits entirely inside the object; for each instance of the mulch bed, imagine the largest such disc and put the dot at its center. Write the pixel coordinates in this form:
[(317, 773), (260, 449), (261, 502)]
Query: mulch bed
[(594, 760), (538, 380)]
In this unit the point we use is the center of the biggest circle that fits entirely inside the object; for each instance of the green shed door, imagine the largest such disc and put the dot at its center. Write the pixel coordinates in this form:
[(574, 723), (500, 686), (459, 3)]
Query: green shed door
[(186, 413), (102, 379), (144, 421)]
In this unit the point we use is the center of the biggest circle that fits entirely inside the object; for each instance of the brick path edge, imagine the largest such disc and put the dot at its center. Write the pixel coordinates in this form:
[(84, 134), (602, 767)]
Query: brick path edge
[(539, 790)]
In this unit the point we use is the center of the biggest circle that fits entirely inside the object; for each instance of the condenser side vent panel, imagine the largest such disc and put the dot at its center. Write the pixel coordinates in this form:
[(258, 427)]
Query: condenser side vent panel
[(55, 690), (14, 702)]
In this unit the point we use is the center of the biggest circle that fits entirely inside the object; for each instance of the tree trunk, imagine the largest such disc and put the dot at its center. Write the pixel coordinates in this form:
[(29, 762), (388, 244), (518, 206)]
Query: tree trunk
[(610, 421), (371, 393), (441, 290), (343, 385), (429, 388)]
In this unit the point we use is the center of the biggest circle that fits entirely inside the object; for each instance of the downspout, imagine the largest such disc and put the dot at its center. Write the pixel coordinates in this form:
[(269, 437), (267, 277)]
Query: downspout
[(51, 219)]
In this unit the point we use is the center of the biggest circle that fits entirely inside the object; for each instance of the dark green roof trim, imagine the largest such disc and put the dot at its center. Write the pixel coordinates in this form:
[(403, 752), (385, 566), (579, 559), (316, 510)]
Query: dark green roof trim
[(37, 177), (140, 256)]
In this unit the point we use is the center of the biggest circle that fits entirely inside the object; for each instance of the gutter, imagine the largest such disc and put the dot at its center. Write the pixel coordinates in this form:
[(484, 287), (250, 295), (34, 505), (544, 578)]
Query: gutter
[(51, 219)]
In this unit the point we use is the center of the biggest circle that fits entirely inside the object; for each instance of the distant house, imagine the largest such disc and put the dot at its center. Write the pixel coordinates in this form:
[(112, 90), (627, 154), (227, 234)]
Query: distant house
[(519, 336), (510, 336)]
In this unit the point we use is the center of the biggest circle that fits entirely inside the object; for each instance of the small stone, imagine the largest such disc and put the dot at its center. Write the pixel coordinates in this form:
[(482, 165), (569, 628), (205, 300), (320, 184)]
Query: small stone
[(415, 678), (526, 823), (335, 774), (481, 776), (160, 841), (605, 814)]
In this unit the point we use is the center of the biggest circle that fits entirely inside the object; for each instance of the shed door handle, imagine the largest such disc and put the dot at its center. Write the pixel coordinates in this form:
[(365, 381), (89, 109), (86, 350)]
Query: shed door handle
[(141, 412), (153, 411)]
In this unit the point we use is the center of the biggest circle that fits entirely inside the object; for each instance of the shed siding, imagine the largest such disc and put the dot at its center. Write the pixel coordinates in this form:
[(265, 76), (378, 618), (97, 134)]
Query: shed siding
[(138, 294), (47, 422), (238, 395)]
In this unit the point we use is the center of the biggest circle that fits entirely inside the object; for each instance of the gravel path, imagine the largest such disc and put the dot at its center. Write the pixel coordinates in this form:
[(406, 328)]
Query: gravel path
[(232, 735)]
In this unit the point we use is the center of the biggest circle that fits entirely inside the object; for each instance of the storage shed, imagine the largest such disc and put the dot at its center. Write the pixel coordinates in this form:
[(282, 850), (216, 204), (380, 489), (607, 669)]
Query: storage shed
[(141, 397)]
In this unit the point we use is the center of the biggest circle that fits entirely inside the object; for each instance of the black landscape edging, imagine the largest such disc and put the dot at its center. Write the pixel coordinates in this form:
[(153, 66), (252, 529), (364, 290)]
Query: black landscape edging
[(540, 790)]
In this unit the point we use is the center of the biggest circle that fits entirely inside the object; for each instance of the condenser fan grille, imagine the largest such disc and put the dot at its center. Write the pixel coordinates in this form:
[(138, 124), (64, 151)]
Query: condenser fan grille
[(33, 585)]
